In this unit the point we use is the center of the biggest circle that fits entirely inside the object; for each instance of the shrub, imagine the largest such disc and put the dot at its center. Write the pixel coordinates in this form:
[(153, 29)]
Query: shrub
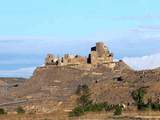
[(2, 111), (84, 100), (155, 106), (150, 106), (144, 107), (20, 110), (85, 104), (98, 107), (109, 107), (118, 110), (95, 107), (138, 96), (77, 111)]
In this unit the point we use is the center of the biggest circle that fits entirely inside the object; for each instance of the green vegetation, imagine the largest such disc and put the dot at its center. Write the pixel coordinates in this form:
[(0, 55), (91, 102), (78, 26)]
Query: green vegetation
[(85, 104), (155, 106), (20, 110), (109, 107), (118, 110), (138, 97), (96, 107), (144, 107), (77, 111), (84, 100), (2, 111), (92, 107)]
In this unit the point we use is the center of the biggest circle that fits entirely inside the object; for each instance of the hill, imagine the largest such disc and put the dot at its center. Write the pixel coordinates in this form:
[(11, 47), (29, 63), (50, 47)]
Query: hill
[(52, 88)]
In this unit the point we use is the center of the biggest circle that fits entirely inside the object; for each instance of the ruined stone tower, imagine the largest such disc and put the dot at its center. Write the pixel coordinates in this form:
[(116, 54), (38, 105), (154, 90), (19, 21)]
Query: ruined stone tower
[(100, 55), (50, 60), (101, 49)]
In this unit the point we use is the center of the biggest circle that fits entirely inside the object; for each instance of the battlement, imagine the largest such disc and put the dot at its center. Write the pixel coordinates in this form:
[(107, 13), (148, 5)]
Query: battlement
[(99, 54)]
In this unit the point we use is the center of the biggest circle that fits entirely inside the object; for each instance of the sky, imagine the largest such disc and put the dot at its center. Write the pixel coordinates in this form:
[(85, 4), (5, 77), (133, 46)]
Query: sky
[(32, 28)]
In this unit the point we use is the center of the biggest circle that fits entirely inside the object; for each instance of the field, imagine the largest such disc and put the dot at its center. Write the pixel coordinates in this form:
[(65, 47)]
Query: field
[(90, 116)]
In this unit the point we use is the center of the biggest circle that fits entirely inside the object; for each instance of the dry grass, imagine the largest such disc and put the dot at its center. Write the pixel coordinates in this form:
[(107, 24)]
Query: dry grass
[(90, 116)]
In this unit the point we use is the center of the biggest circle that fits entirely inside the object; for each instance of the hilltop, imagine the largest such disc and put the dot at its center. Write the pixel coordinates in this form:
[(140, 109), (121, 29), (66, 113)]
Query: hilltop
[(52, 88)]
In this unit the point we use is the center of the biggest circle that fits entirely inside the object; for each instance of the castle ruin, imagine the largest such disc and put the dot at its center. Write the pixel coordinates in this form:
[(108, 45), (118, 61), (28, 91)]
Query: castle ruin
[(99, 54)]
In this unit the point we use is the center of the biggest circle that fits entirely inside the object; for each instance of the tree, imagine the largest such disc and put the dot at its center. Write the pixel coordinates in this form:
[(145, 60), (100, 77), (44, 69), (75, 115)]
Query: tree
[(82, 89), (20, 110), (2, 111), (138, 96), (84, 100)]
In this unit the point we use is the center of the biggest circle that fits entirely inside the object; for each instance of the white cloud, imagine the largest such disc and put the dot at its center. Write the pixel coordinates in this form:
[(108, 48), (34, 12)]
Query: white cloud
[(137, 63), (22, 72), (18, 51), (144, 62)]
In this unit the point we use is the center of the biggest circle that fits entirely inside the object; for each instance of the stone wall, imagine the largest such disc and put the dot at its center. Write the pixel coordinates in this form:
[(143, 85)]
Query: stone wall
[(50, 60), (99, 54), (100, 49), (70, 59)]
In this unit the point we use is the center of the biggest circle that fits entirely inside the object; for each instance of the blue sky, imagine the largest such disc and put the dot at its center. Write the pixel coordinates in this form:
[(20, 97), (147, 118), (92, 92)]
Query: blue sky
[(30, 29)]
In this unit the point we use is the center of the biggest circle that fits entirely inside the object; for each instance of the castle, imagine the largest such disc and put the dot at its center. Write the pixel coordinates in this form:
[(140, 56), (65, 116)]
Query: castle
[(99, 55)]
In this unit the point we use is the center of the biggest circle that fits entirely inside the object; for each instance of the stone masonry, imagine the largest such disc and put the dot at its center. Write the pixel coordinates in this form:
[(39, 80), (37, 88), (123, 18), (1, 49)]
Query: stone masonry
[(99, 54)]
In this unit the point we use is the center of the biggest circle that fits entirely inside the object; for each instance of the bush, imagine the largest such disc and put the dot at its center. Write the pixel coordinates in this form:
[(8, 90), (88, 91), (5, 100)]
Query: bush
[(84, 100), (118, 110), (138, 96), (77, 111), (2, 111), (85, 104), (144, 107), (98, 107), (155, 106), (109, 107), (20, 110), (95, 107), (149, 106)]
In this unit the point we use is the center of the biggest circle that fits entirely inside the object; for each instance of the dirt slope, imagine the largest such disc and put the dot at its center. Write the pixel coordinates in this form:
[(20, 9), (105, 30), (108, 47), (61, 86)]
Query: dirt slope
[(57, 85)]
